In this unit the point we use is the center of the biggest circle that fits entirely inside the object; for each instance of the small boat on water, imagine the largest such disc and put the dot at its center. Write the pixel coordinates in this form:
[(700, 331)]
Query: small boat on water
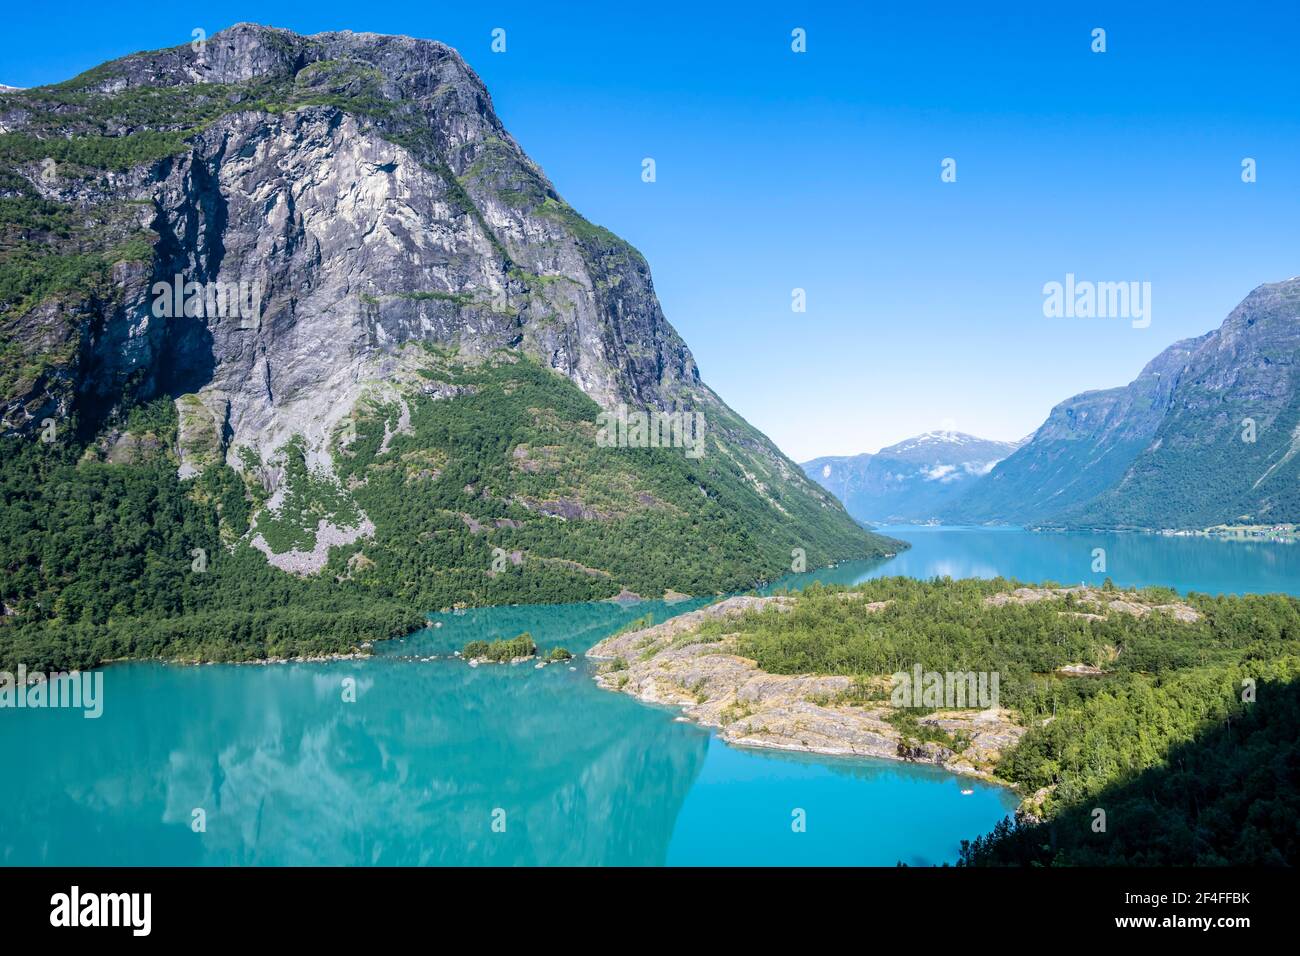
[(967, 793)]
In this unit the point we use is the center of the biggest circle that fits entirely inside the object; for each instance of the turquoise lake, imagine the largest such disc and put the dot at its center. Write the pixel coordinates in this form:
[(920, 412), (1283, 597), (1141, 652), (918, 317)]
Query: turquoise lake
[(432, 751)]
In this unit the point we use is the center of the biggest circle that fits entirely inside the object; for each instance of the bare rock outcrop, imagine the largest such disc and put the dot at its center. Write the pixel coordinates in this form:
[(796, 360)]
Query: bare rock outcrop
[(1122, 602), (672, 663)]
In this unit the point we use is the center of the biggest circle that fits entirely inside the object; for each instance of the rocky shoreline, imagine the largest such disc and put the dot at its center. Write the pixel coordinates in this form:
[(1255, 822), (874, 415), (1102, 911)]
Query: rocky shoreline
[(716, 687), (310, 659)]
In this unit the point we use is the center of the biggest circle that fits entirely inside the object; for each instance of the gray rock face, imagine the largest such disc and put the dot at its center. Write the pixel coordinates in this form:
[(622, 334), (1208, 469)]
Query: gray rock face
[(360, 245), (322, 210), (365, 188)]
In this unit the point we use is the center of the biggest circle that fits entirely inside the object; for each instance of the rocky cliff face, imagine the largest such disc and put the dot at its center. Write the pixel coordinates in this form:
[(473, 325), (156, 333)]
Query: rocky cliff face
[(388, 205), (349, 213), (1172, 449)]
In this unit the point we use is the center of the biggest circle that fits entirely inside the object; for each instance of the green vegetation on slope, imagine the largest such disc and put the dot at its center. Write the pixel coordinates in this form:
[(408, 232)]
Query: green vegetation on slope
[(309, 497), (497, 495), (1217, 478), (98, 562), (500, 494), (1224, 788), (50, 252)]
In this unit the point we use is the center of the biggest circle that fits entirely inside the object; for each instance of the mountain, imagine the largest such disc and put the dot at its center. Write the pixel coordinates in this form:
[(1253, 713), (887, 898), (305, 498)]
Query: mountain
[(912, 481), (1205, 435), (304, 300), (1225, 451), (1081, 450)]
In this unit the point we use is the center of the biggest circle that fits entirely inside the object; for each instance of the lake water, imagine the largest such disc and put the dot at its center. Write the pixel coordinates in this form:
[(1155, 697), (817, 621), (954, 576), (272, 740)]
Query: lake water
[(1204, 565), (433, 752)]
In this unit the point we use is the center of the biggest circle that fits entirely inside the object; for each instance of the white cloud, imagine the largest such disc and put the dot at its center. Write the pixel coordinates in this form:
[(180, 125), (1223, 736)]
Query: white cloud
[(943, 473)]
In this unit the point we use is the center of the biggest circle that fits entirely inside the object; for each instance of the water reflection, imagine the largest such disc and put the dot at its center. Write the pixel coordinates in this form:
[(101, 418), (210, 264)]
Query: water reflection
[(287, 773)]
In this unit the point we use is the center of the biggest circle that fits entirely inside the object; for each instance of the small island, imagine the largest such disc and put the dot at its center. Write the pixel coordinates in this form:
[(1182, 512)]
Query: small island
[(515, 650)]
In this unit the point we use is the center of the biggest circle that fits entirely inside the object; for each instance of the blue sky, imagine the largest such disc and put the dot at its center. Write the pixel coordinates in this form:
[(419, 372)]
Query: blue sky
[(821, 171)]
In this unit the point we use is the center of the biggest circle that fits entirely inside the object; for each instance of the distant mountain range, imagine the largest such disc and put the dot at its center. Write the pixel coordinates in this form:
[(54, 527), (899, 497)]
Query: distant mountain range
[(912, 481), (1208, 434)]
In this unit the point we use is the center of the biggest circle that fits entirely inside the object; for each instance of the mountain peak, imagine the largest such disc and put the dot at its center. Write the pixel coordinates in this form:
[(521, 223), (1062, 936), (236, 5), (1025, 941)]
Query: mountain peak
[(252, 53), (362, 307), (939, 436), (947, 443)]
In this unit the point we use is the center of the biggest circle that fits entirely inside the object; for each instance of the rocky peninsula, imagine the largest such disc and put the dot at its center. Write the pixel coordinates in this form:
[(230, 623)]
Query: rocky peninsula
[(671, 663)]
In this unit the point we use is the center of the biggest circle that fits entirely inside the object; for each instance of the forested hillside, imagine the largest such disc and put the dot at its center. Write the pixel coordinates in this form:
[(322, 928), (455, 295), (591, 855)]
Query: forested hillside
[(496, 493)]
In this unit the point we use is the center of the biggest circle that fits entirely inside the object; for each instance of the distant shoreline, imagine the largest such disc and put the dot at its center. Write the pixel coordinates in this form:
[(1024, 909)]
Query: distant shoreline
[(1286, 533)]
